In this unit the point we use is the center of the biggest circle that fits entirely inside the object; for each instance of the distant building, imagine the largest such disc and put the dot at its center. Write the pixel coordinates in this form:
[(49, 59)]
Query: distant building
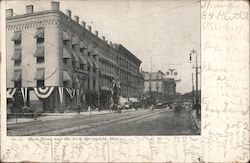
[(54, 59), (156, 83)]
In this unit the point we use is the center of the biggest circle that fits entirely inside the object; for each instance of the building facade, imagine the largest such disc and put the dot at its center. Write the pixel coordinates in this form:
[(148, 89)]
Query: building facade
[(158, 85), (54, 59)]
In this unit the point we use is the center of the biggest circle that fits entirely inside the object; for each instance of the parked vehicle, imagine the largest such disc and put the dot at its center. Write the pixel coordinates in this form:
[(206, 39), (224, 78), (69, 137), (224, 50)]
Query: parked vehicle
[(159, 105)]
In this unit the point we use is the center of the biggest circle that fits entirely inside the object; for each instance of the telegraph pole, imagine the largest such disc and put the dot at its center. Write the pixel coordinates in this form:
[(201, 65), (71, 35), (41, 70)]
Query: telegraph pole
[(192, 89), (196, 72)]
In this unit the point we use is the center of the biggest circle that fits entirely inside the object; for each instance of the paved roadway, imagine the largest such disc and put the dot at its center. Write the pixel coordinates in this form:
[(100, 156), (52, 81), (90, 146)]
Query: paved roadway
[(141, 122)]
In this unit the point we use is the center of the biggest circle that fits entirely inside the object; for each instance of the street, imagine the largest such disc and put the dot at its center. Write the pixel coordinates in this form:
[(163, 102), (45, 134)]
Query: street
[(140, 122)]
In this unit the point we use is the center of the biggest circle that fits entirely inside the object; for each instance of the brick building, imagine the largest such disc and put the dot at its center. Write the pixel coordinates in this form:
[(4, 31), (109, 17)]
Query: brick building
[(57, 60)]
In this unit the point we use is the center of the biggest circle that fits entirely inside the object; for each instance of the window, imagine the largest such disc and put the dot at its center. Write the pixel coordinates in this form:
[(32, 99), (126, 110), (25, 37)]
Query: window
[(175, 73), (81, 66), (40, 83), (65, 60), (17, 38), (17, 62), (39, 35), (65, 43), (40, 60), (40, 40), (65, 83), (18, 84)]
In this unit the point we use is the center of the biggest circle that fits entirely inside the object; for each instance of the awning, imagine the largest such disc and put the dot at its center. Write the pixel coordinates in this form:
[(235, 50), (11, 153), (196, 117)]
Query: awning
[(76, 78), (83, 45), (39, 33), (17, 55), (95, 65), (95, 51), (89, 62), (39, 74), (75, 56), (75, 41), (39, 51), (17, 75), (17, 36), (65, 36), (66, 54), (66, 76), (83, 60)]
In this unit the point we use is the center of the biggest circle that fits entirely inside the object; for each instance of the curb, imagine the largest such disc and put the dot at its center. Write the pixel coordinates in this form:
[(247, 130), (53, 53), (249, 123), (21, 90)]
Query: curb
[(45, 114)]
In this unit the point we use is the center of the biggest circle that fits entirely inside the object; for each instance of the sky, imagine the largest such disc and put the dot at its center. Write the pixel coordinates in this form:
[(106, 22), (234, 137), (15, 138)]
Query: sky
[(161, 33)]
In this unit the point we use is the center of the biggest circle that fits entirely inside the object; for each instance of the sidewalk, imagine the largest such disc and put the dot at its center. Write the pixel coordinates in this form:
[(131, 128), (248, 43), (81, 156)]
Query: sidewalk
[(55, 116), (196, 122)]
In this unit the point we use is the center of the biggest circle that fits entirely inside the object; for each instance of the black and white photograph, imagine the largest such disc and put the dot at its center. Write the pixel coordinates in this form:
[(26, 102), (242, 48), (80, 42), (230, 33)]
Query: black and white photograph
[(103, 68)]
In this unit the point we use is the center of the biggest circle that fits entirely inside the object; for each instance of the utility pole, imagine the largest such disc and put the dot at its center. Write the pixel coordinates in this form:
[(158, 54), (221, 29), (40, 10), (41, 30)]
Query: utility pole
[(196, 72), (192, 89)]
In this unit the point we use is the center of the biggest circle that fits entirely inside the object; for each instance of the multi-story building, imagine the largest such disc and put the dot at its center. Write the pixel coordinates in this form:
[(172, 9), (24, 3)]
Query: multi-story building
[(161, 87), (54, 59)]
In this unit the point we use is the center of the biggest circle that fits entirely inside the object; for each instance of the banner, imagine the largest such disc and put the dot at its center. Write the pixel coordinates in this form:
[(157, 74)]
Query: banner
[(24, 94), (11, 92), (71, 92), (43, 92)]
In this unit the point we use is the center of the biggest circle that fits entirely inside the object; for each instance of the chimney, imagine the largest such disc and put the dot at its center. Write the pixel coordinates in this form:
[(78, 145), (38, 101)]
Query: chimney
[(29, 9), (55, 5), (89, 28), (83, 24), (9, 12), (96, 33), (103, 38), (76, 19), (68, 13)]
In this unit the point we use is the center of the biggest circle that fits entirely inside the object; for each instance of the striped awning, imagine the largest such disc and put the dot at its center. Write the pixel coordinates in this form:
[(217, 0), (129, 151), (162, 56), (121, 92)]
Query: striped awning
[(39, 51), (17, 55), (65, 36), (75, 41), (17, 76), (75, 57), (66, 76), (17, 36), (39, 33), (82, 60), (66, 54), (39, 74)]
